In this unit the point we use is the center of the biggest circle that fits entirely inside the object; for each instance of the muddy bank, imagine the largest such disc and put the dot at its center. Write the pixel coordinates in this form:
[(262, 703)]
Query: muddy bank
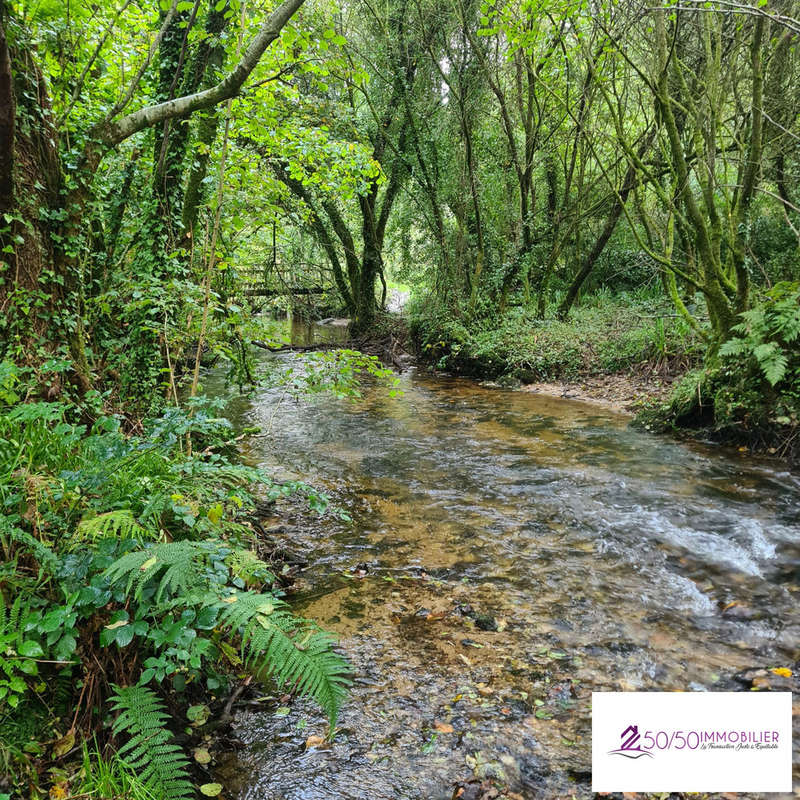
[(620, 392)]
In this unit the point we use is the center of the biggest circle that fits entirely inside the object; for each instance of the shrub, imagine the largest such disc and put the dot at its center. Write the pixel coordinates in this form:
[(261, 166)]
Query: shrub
[(751, 392), (130, 557)]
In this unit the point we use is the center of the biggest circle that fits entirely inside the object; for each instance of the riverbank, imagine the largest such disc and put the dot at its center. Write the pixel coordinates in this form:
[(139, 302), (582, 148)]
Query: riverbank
[(628, 352), (623, 392), (629, 333), (138, 594), (611, 354)]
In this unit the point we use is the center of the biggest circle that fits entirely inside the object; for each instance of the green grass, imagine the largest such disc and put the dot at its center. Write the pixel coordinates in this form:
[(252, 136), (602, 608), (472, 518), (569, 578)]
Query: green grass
[(108, 779)]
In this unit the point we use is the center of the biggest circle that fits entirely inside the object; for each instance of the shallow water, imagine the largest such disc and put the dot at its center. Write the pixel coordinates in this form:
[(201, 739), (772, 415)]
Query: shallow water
[(509, 554)]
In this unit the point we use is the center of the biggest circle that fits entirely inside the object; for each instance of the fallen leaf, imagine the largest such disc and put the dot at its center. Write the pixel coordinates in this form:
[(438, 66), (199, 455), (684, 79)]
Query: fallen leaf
[(211, 789), (59, 792), (443, 727), (314, 741), (201, 755), (118, 624), (64, 744), (782, 671)]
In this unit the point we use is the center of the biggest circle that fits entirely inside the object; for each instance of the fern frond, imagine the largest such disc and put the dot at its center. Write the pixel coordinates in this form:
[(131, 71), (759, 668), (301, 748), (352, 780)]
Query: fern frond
[(150, 751), (121, 524), (43, 554), (733, 347), (245, 564), (774, 368), (181, 566), (292, 650)]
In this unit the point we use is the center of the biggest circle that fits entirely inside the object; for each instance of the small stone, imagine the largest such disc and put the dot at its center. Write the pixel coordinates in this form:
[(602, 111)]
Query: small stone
[(485, 622)]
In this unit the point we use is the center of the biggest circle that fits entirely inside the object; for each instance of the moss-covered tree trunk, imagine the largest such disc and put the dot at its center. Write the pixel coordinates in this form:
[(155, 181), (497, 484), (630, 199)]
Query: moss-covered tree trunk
[(207, 63), (40, 287)]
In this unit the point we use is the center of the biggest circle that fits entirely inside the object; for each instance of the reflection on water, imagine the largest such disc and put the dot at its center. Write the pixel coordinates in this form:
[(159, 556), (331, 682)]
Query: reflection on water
[(306, 333), (509, 554)]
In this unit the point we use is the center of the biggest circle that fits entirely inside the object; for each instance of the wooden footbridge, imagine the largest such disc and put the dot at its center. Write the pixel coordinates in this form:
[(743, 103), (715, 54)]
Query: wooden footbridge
[(262, 283)]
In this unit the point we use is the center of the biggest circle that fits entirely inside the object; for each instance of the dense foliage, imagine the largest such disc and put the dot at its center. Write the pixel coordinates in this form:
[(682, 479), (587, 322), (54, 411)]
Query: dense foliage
[(170, 165), (565, 188), (132, 562)]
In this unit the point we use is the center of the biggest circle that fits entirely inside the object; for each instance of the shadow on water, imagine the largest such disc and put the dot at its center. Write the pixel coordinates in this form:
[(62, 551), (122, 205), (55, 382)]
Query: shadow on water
[(509, 554)]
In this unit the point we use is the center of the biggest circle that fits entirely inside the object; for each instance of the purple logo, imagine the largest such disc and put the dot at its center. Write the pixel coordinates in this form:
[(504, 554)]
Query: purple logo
[(630, 744)]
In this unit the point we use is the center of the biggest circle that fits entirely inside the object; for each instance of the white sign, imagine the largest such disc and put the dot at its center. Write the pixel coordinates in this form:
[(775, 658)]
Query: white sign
[(691, 741)]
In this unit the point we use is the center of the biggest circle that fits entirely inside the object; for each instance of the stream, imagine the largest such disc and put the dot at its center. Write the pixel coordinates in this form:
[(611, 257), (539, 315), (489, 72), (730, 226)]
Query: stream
[(509, 554)]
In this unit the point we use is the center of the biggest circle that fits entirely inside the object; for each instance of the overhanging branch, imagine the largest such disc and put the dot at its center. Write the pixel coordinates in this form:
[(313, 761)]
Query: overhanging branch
[(112, 133)]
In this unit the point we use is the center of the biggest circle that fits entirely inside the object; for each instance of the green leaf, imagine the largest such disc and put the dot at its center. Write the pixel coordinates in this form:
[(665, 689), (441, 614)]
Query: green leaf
[(198, 714), (124, 636), (31, 649)]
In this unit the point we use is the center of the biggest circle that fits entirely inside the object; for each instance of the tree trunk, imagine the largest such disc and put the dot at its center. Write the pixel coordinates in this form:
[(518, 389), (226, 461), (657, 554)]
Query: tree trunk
[(8, 111), (39, 286)]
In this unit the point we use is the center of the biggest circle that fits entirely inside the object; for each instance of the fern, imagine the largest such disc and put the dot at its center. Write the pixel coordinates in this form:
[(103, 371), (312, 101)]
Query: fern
[(245, 564), (274, 642), (121, 524), (181, 566), (734, 347), (10, 631), (16, 652), (771, 361), (43, 554), (767, 333), (292, 650), (151, 752)]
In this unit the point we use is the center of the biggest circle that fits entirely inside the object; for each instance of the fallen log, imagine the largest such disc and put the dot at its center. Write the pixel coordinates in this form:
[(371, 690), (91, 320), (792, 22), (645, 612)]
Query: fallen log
[(298, 348)]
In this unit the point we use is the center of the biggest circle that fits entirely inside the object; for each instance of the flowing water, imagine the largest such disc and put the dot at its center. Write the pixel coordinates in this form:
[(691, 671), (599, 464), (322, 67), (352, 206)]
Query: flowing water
[(509, 553)]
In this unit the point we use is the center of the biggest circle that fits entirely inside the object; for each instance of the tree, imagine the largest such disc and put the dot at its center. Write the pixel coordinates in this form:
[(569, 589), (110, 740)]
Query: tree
[(51, 187), (371, 106), (707, 84)]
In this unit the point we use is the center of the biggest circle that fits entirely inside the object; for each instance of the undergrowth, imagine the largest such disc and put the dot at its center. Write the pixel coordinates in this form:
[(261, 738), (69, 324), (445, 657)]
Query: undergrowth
[(749, 393), (130, 589), (606, 333)]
